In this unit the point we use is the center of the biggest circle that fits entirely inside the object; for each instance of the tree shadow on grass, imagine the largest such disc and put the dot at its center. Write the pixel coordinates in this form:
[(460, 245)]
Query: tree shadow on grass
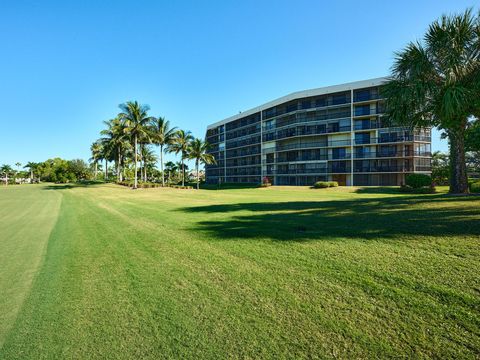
[(82, 184), (385, 218), (378, 190)]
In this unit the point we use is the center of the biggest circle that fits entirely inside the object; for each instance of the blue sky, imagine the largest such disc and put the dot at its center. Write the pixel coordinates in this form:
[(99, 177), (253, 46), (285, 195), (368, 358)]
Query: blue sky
[(66, 65)]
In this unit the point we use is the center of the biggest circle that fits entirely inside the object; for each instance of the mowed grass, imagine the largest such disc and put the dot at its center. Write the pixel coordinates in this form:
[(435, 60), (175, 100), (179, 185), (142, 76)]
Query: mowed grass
[(106, 272)]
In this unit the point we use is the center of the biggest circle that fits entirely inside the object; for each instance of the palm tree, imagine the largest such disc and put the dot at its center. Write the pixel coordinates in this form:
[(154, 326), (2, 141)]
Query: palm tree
[(31, 166), (136, 119), (6, 170), (162, 136), (148, 158), (116, 138), (171, 168), (106, 153), (180, 144), (198, 152), (17, 164), (96, 150), (437, 83)]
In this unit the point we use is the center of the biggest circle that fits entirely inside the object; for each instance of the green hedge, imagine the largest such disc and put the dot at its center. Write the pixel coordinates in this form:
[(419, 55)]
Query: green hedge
[(321, 185), (421, 190), (181, 187), (474, 186), (333, 184), (418, 181)]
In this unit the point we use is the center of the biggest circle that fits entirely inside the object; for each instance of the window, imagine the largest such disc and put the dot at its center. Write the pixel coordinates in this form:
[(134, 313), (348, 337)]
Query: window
[(362, 95), (339, 99), (321, 102), (362, 110), (362, 138), (339, 153), (306, 104)]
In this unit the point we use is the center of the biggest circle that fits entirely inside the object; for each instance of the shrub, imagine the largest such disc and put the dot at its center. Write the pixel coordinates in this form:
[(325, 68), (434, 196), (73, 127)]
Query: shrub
[(474, 187), (417, 181), (333, 184), (421, 190), (321, 185)]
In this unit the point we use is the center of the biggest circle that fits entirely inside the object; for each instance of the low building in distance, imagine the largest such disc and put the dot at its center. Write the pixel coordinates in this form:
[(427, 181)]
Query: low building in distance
[(334, 133)]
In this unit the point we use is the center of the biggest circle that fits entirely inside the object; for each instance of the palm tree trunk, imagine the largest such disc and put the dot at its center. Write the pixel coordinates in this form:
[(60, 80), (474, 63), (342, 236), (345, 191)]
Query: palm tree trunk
[(183, 172), (119, 174), (141, 163), (106, 170), (161, 165), (96, 169), (136, 157), (198, 177), (31, 175), (458, 167)]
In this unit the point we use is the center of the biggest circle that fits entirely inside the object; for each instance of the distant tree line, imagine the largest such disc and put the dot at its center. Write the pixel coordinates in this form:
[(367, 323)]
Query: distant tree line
[(52, 170)]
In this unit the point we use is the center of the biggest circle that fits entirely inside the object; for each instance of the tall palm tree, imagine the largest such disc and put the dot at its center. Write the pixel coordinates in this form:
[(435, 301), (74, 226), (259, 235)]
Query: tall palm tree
[(31, 166), (137, 120), (6, 170), (117, 140), (198, 152), (436, 82), (96, 150), (162, 135), (180, 144)]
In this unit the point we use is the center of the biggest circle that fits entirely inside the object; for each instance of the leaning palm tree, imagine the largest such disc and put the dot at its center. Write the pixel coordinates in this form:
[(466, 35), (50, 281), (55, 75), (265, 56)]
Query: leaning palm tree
[(180, 144), (136, 119), (436, 82), (162, 135), (31, 166), (96, 150), (6, 170), (198, 152)]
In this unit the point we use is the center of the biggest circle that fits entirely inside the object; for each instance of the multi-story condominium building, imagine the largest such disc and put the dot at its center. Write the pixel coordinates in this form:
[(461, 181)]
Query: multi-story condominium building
[(334, 133)]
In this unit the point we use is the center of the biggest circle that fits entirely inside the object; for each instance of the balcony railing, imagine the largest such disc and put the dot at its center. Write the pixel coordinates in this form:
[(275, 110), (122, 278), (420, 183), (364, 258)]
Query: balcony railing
[(381, 154), (317, 170), (365, 97), (391, 139), (314, 145), (379, 168), (360, 126), (365, 112)]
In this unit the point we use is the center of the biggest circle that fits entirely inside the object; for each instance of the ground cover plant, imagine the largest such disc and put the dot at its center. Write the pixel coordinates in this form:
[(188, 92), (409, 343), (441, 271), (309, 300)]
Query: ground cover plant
[(101, 271)]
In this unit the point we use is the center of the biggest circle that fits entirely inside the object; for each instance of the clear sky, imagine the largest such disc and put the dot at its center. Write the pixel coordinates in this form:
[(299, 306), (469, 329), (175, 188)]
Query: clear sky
[(66, 65)]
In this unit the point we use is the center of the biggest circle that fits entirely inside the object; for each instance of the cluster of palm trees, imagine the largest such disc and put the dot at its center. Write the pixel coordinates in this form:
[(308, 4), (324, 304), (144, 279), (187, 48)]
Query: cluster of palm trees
[(6, 170), (127, 141)]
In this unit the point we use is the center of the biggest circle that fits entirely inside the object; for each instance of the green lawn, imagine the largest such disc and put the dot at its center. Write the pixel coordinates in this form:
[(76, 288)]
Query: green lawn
[(102, 271)]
